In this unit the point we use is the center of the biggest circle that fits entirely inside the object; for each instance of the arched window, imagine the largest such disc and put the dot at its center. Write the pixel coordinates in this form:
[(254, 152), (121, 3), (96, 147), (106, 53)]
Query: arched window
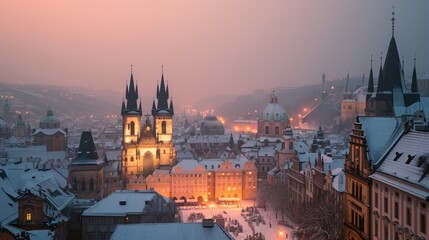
[(132, 128), (267, 130), (91, 185), (83, 185), (277, 130), (164, 127), (290, 145)]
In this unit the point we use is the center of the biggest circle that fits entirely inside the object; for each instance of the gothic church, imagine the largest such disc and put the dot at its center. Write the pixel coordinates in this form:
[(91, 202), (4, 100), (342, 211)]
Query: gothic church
[(147, 145)]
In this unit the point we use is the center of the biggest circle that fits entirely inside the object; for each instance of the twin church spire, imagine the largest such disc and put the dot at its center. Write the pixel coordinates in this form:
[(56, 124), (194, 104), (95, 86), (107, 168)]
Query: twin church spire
[(131, 94), (162, 95)]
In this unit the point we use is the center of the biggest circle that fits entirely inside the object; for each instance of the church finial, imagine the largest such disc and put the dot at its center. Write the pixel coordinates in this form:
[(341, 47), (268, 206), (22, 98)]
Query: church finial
[(371, 61), (393, 21), (131, 69)]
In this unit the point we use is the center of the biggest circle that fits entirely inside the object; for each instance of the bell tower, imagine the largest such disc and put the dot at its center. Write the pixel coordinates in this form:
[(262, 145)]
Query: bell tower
[(163, 124), (131, 114)]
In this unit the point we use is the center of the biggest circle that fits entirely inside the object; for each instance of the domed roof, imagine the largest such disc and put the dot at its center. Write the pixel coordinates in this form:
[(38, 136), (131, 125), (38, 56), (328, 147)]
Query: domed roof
[(212, 122), (274, 111), (212, 126), (49, 118), (20, 121)]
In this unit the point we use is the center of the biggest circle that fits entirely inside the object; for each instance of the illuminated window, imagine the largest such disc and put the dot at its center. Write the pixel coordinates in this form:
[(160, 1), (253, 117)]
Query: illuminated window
[(28, 217)]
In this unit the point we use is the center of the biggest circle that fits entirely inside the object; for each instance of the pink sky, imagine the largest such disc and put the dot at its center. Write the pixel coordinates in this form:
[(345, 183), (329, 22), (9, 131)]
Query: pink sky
[(211, 47)]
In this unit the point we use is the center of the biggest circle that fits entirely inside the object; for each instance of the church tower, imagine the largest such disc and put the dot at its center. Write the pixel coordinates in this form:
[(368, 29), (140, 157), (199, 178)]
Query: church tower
[(162, 114), (391, 88), (131, 115)]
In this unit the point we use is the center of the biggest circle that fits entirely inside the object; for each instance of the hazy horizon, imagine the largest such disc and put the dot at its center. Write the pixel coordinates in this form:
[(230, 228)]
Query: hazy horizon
[(207, 47)]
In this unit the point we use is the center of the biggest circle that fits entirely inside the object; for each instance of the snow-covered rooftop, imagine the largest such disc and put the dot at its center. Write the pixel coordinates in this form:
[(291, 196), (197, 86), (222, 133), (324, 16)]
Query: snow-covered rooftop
[(169, 231), (380, 133), (404, 165), (122, 203)]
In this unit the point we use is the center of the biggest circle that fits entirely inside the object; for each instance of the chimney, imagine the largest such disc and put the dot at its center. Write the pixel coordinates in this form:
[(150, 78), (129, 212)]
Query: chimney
[(208, 223)]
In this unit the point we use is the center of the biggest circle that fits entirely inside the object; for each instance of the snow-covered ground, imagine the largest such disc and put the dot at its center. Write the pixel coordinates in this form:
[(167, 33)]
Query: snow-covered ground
[(273, 232)]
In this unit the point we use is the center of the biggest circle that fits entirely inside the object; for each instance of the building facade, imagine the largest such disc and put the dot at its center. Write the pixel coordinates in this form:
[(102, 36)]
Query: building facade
[(86, 173)]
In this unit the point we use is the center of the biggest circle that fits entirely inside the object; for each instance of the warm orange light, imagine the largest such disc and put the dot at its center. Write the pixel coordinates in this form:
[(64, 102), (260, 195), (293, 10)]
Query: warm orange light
[(291, 119), (305, 109)]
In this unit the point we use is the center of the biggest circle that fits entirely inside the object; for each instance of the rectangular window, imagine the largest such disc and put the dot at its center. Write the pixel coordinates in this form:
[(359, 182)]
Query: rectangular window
[(396, 210), (386, 204), (376, 200), (409, 216), (28, 217), (423, 223)]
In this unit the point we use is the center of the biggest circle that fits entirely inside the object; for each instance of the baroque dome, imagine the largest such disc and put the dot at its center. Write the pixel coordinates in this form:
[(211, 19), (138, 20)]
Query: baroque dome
[(49, 118), (274, 111)]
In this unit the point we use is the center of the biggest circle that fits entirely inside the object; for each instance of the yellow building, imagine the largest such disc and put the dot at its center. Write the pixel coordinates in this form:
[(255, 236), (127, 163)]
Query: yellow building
[(148, 146), (219, 180)]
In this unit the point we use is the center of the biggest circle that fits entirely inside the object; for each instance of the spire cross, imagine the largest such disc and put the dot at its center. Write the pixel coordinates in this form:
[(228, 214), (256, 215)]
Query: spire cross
[(131, 69), (371, 60), (414, 59), (403, 60), (393, 20), (381, 58)]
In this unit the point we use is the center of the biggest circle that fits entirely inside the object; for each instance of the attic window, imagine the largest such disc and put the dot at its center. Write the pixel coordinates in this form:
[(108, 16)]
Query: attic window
[(410, 158), (398, 155)]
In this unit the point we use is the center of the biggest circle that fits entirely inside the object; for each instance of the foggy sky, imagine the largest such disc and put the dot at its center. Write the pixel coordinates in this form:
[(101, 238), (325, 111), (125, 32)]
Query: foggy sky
[(212, 47)]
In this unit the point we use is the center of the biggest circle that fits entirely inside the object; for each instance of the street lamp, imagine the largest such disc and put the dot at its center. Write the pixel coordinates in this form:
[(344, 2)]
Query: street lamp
[(280, 235)]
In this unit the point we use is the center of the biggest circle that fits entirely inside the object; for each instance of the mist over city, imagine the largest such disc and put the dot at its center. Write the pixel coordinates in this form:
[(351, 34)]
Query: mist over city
[(246, 120)]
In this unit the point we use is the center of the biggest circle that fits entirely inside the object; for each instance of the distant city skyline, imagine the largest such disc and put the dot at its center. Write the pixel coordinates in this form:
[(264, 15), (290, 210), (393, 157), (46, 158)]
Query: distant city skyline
[(207, 48)]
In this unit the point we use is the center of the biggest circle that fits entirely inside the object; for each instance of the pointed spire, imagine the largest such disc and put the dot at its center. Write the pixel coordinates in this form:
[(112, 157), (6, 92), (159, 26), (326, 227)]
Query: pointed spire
[(123, 107), (131, 95), (380, 87), (347, 83), (371, 80), (157, 89), (153, 105), (393, 21), (171, 106), (414, 87)]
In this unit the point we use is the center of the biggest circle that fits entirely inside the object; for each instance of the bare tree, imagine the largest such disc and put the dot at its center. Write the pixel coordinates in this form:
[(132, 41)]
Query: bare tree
[(322, 219)]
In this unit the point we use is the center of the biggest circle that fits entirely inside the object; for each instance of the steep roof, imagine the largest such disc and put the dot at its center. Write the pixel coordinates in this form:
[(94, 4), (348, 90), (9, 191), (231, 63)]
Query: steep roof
[(380, 133), (405, 166), (87, 153)]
